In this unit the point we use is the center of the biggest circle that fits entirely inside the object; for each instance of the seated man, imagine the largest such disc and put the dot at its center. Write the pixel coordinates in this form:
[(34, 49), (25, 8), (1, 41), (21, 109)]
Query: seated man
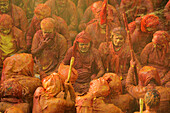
[(87, 61), (116, 54), (67, 10), (142, 35), (147, 79), (41, 12), (156, 54), (47, 99), (48, 47), (18, 82), (17, 14), (92, 13), (11, 38)]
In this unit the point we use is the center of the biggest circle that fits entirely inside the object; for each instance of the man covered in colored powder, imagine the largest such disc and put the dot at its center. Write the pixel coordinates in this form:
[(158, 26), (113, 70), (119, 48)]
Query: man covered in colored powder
[(142, 35), (147, 78), (48, 47), (156, 54), (87, 61), (116, 53), (17, 14), (67, 10), (49, 98), (11, 38), (43, 11)]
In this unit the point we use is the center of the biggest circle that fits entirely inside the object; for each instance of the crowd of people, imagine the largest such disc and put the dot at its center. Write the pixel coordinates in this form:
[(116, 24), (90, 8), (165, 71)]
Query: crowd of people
[(120, 50)]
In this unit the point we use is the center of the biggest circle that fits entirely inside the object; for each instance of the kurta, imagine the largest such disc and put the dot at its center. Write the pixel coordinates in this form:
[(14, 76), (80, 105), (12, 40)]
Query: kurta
[(52, 55), (152, 56), (61, 27), (86, 65), (122, 56), (15, 43)]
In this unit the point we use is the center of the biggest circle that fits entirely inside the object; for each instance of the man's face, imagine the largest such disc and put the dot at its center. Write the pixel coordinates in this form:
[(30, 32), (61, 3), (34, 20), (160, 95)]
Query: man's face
[(118, 40), (159, 46), (47, 32), (4, 6), (83, 47), (5, 31)]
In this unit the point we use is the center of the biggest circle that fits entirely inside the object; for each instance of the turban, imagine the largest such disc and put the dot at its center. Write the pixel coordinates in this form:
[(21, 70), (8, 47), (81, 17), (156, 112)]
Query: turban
[(99, 87), (114, 83), (149, 21), (47, 24), (119, 30), (82, 37), (148, 73), (52, 84), (152, 98), (6, 22), (161, 38), (43, 10)]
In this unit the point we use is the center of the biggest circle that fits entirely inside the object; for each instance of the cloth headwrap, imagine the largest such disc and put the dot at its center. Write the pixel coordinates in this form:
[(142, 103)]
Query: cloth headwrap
[(43, 10), (148, 73), (52, 84), (21, 64), (82, 37), (115, 85), (149, 21), (48, 23), (152, 98), (119, 30), (161, 38), (6, 21)]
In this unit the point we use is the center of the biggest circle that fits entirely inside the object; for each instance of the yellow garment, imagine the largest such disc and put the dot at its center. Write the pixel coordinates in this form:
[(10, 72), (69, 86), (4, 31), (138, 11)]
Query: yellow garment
[(6, 45)]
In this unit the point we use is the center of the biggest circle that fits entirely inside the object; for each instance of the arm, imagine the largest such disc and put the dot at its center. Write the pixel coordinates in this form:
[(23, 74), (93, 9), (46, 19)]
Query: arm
[(22, 43), (30, 33), (99, 64), (23, 21), (144, 56), (36, 49), (132, 88), (67, 58)]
